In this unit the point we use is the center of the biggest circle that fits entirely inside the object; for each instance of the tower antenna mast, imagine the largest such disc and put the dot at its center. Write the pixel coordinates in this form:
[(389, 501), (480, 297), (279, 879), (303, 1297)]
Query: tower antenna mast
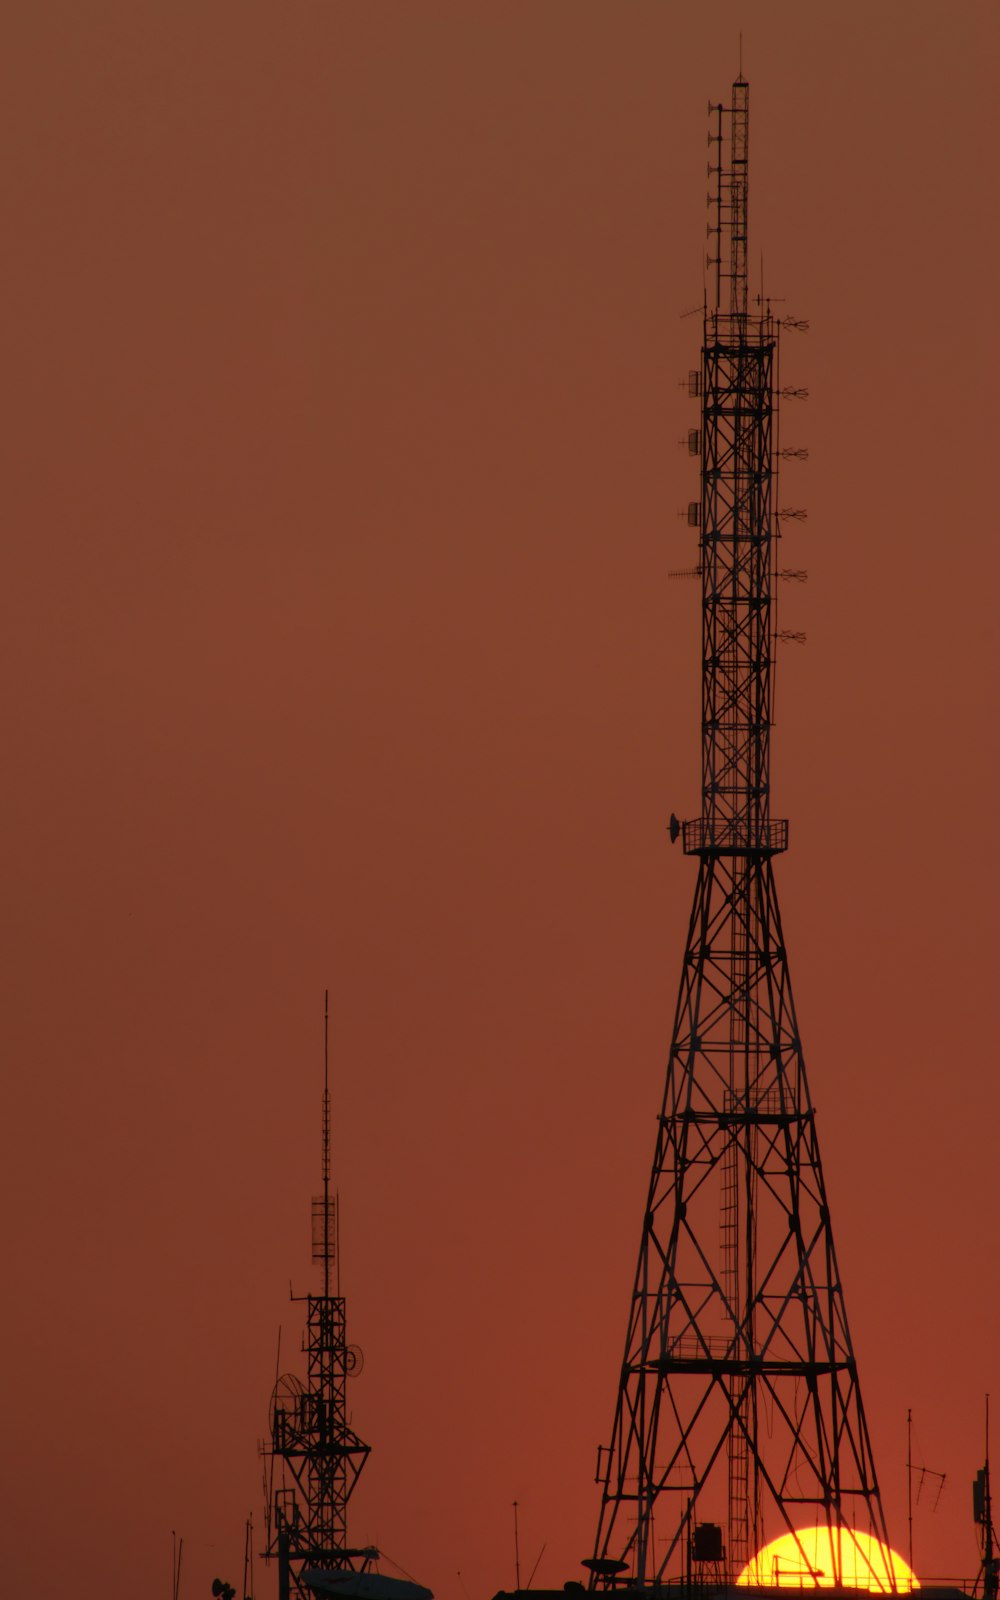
[(327, 1238), (738, 1417)]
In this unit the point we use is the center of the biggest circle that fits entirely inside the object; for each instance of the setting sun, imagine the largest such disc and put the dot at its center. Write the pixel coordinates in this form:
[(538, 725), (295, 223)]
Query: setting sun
[(821, 1558)]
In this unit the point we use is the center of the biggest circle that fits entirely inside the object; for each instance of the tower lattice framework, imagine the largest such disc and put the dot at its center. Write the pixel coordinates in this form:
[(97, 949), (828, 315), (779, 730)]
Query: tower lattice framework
[(738, 1405), (314, 1454)]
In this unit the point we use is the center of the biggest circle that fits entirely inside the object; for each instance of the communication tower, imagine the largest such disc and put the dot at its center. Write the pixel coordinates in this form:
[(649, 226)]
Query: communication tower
[(739, 1414), (314, 1456)]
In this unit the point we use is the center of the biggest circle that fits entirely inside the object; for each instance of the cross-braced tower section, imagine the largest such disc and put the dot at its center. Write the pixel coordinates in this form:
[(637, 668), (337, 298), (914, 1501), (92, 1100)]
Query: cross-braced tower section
[(739, 1415)]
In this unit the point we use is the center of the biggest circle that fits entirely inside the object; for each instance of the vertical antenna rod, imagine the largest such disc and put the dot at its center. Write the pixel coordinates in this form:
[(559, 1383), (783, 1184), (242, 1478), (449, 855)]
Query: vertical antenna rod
[(326, 1142), (991, 1585), (909, 1486)]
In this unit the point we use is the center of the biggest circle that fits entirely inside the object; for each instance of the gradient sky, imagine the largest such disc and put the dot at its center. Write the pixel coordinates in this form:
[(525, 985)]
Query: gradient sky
[(342, 357)]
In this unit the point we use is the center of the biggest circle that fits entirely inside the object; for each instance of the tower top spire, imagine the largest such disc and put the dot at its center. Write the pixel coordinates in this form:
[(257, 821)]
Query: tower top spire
[(728, 201), (324, 1207)]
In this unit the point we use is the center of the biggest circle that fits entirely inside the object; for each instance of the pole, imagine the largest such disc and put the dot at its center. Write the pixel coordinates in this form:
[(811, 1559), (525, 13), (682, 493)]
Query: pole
[(909, 1484), (248, 1560), (989, 1566)]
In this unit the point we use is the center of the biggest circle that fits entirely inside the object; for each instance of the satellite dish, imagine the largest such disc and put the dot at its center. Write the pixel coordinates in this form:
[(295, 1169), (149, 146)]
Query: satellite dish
[(354, 1360), (604, 1566), (675, 828), (286, 1399)]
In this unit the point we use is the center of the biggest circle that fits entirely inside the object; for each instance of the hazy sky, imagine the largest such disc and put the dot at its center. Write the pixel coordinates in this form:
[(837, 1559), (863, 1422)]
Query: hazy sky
[(344, 367)]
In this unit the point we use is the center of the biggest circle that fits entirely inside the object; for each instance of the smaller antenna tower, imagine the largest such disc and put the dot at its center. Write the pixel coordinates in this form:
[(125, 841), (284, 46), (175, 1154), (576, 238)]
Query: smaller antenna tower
[(318, 1455)]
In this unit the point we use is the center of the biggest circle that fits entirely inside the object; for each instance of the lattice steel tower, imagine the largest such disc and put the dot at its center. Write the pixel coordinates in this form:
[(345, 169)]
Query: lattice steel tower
[(318, 1455), (739, 1415)]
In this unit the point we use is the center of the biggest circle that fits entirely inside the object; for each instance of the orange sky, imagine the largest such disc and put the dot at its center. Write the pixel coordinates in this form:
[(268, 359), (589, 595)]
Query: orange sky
[(342, 356)]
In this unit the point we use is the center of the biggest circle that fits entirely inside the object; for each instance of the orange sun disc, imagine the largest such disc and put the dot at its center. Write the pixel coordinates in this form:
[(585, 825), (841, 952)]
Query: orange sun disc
[(824, 1558)]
